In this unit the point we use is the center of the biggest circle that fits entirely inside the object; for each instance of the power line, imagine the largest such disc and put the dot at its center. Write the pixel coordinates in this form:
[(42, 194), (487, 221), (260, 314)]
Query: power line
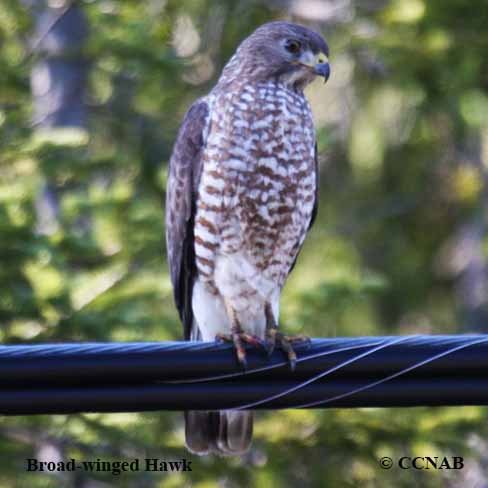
[(339, 372)]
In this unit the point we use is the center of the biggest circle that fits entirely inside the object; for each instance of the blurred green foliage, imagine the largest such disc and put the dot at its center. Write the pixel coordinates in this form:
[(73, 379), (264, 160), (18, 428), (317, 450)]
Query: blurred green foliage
[(403, 141)]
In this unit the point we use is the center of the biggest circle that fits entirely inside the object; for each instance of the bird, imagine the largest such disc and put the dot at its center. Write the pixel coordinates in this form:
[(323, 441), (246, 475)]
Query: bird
[(242, 193)]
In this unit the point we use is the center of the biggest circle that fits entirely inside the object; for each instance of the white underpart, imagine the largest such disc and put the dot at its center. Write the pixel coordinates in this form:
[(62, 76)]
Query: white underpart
[(209, 313), (244, 286), (209, 310)]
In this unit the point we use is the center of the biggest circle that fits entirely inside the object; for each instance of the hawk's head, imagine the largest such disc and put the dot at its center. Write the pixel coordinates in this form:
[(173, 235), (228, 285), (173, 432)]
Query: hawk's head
[(281, 50)]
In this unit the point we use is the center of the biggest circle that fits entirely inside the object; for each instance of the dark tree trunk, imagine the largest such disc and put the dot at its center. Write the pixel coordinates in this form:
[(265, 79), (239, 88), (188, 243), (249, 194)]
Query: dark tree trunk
[(58, 82), (59, 76)]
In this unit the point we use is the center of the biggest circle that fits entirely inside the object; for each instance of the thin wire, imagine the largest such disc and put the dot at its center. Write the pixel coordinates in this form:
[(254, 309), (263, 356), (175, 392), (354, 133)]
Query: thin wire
[(269, 366), (397, 340), (392, 376), (36, 43), (98, 348)]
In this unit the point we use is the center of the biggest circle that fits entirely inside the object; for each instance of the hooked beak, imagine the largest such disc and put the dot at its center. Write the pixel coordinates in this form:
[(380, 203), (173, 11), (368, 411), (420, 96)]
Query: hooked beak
[(323, 69), (319, 63)]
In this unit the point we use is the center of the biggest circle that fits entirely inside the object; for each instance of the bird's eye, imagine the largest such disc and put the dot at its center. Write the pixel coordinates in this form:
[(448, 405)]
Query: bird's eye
[(292, 46)]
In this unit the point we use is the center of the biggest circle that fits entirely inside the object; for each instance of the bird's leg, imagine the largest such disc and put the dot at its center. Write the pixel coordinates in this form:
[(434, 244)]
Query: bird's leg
[(238, 337), (275, 337)]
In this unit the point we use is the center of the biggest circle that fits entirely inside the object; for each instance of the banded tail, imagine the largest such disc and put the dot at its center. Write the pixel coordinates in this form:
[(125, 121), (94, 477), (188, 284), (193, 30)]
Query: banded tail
[(226, 432)]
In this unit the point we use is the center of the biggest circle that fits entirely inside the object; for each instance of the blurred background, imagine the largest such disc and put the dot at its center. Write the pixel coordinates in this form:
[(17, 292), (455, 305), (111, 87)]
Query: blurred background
[(91, 96)]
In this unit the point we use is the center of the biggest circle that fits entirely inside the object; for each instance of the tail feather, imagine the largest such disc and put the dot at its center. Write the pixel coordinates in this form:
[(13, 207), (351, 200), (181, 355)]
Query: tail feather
[(226, 433)]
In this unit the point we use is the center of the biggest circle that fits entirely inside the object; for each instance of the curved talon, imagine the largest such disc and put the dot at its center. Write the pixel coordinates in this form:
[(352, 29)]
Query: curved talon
[(240, 351), (293, 363), (238, 339), (286, 343)]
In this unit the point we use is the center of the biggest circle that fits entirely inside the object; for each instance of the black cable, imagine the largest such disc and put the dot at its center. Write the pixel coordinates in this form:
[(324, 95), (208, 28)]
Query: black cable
[(345, 372)]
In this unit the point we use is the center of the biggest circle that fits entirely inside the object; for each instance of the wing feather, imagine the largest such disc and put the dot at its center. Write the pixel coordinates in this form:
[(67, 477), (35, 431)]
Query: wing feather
[(315, 203), (181, 194)]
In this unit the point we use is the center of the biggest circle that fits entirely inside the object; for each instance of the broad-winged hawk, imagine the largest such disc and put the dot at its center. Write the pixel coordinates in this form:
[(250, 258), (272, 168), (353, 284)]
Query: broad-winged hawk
[(241, 195)]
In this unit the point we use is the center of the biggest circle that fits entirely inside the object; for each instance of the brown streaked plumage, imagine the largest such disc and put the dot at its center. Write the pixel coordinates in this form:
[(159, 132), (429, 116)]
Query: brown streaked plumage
[(241, 195)]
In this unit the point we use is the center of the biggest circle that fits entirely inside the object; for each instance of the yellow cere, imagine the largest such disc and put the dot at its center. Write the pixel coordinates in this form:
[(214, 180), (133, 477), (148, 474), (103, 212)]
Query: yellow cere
[(322, 58)]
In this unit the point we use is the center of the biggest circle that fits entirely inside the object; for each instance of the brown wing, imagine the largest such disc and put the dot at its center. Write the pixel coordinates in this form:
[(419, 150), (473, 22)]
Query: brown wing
[(183, 178), (315, 203)]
